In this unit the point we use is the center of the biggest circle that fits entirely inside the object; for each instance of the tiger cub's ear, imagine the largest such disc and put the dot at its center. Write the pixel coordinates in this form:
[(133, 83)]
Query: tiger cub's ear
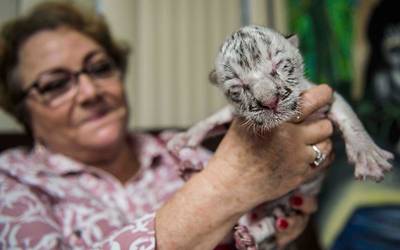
[(294, 40), (213, 77)]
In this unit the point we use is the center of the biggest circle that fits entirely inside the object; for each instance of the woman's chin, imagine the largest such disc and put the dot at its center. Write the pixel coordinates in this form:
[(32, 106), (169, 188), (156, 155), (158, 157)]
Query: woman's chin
[(104, 132), (104, 136), (107, 138)]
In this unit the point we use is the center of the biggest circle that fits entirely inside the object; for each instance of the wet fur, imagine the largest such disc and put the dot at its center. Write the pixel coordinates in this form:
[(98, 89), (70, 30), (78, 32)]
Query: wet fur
[(254, 65)]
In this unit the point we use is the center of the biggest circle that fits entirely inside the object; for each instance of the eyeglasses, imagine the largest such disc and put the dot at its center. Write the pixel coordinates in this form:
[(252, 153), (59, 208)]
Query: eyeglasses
[(58, 86)]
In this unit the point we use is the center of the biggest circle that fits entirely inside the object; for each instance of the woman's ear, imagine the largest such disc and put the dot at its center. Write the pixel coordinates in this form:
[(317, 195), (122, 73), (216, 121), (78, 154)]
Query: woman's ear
[(294, 40), (213, 77)]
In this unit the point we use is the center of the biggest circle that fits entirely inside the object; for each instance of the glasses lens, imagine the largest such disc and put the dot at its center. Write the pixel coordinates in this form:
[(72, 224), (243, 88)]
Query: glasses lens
[(101, 68), (54, 85)]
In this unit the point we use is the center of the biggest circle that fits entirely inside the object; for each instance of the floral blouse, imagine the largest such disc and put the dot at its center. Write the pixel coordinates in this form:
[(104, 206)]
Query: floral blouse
[(49, 201)]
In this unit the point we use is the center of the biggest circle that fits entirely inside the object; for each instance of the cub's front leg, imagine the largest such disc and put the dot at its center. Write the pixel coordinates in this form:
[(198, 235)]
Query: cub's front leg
[(184, 145)]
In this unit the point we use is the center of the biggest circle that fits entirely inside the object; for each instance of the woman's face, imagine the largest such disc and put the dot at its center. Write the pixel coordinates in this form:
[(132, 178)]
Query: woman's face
[(94, 116)]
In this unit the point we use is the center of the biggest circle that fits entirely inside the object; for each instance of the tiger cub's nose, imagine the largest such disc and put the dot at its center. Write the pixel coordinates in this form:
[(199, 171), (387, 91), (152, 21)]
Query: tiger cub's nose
[(271, 103)]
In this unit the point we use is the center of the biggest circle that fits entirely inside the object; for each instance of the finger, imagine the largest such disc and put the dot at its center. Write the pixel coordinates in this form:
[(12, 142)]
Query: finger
[(317, 131), (325, 147), (296, 225), (314, 99), (328, 161), (314, 172), (303, 203)]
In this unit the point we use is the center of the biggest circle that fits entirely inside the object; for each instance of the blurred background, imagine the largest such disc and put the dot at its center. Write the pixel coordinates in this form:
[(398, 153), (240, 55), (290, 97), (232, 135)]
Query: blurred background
[(352, 45)]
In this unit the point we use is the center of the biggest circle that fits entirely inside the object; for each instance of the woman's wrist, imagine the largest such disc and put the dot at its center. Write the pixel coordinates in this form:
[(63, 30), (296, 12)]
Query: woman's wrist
[(235, 189), (199, 215)]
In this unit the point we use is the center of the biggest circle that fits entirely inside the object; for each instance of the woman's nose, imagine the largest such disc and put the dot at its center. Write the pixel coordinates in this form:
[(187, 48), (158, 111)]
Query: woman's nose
[(86, 88)]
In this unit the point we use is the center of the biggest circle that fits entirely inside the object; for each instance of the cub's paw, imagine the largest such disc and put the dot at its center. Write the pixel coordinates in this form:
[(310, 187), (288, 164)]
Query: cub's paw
[(188, 139), (189, 167), (178, 142), (243, 238), (371, 162)]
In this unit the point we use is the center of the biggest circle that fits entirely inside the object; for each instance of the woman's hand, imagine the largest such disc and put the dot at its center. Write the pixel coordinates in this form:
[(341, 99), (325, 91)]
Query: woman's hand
[(255, 169), (245, 171)]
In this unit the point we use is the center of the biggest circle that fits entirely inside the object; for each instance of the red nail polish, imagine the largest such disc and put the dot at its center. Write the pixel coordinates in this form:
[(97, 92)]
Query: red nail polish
[(254, 217), (296, 201), (282, 223)]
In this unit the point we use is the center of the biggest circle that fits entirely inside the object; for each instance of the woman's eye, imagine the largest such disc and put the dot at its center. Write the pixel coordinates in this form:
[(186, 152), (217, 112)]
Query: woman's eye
[(55, 85), (101, 69)]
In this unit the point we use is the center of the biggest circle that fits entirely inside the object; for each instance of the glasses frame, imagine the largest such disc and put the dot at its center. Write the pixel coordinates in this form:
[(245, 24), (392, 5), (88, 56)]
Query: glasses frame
[(75, 79)]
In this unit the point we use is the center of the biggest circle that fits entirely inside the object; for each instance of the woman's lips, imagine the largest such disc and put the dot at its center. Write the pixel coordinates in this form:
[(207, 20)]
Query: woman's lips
[(103, 117), (97, 115)]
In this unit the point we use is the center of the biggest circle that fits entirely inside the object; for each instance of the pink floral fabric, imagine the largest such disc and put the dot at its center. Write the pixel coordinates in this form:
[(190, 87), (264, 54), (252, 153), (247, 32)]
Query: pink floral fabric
[(49, 201)]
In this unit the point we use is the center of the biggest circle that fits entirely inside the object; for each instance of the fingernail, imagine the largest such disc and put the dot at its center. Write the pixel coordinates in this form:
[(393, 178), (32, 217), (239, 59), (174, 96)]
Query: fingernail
[(254, 217), (282, 223), (296, 201)]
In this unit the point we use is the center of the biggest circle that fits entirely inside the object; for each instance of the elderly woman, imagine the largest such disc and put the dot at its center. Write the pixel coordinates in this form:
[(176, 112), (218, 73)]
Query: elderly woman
[(87, 182)]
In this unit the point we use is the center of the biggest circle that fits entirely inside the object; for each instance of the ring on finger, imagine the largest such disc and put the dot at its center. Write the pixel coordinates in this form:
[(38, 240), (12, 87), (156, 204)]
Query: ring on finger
[(319, 157)]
